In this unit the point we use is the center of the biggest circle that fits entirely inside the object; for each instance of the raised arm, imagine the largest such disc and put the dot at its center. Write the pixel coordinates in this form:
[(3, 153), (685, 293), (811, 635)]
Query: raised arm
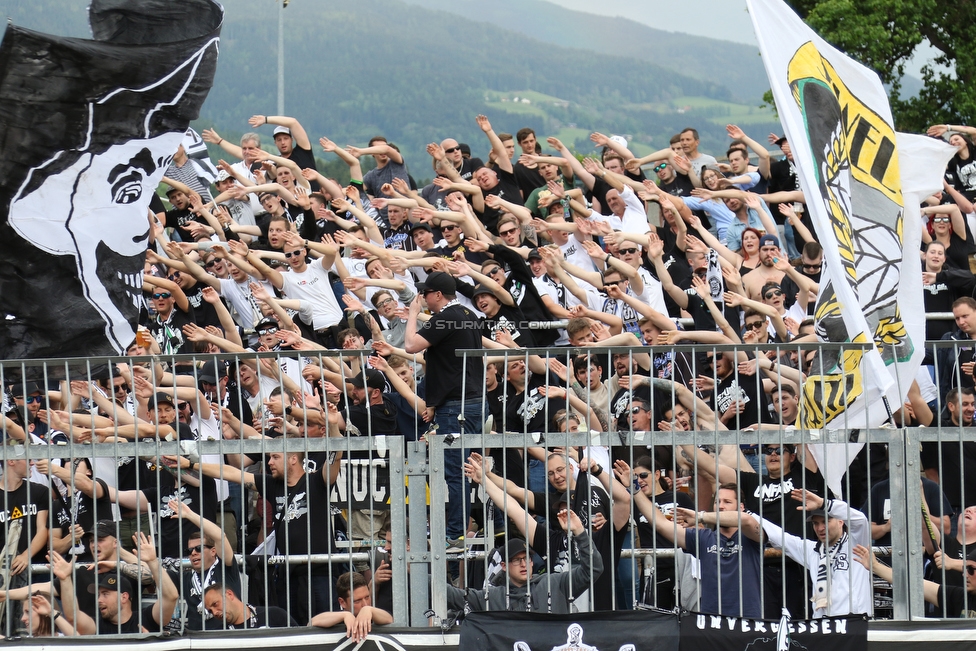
[(501, 156), (738, 134), (297, 131)]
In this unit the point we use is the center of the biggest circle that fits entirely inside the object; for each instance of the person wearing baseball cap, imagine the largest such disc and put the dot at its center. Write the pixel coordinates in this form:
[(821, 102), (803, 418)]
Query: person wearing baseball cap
[(516, 588), (453, 382), (118, 606), (371, 411), (839, 587)]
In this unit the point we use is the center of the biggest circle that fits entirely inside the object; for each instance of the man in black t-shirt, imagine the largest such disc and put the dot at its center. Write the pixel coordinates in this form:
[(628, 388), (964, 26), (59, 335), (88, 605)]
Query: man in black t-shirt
[(291, 140), (499, 316), (25, 503), (455, 385), (769, 496), (227, 611), (305, 522), (499, 181)]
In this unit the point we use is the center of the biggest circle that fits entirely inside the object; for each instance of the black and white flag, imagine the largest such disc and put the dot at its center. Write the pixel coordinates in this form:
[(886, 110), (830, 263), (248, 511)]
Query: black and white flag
[(87, 128), (605, 631), (718, 633)]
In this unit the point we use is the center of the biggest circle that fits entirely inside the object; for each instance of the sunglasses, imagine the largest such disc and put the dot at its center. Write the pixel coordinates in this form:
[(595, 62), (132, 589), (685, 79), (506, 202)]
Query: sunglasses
[(643, 475), (636, 410), (773, 294), (448, 228), (199, 550), (658, 168), (183, 405), (813, 267), (175, 277), (612, 282), (626, 251), (210, 265), (940, 220), (122, 387), (294, 254), (493, 271), (755, 325), (971, 570), (30, 399), (452, 150), (508, 232), (267, 331), (162, 295), (770, 451)]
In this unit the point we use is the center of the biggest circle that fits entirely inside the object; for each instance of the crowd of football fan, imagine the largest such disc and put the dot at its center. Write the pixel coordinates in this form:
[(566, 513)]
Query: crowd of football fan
[(536, 250)]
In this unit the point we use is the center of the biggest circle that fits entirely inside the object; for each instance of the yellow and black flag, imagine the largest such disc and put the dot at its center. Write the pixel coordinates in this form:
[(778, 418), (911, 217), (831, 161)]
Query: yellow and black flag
[(863, 184)]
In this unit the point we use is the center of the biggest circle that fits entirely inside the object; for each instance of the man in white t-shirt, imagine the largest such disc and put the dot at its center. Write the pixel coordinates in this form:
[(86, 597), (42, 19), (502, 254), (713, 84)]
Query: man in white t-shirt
[(306, 281)]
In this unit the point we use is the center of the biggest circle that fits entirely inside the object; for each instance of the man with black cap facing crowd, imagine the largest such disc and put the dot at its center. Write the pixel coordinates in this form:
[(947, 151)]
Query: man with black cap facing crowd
[(118, 605), (517, 590), (455, 385)]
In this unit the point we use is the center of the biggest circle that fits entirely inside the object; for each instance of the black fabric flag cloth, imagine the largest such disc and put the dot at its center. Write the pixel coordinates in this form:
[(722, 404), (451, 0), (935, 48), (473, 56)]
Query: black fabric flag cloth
[(718, 633), (87, 128), (607, 631)]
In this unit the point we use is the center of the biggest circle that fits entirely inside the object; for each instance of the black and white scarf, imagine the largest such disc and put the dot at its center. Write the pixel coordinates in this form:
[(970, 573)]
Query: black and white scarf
[(821, 592)]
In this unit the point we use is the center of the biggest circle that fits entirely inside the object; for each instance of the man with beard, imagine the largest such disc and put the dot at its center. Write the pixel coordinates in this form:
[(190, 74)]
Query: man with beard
[(811, 266), (766, 272), (306, 521)]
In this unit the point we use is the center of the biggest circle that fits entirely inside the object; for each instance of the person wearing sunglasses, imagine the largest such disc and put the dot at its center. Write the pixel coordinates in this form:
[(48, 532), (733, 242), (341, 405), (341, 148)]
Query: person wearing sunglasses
[(212, 561), (29, 400), (658, 581), (948, 225), (464, 167), (171, 310), (307, 282)]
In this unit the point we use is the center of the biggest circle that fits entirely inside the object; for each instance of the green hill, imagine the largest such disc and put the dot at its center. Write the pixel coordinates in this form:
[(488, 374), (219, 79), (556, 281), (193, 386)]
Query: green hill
[(729, 64)]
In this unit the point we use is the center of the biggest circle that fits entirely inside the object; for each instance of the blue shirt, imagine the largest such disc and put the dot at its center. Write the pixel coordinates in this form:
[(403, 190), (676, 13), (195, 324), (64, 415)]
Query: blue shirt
[(708, 545)]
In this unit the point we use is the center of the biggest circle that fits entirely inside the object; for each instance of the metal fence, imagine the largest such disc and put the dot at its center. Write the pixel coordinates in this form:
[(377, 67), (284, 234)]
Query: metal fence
[(406, 481)]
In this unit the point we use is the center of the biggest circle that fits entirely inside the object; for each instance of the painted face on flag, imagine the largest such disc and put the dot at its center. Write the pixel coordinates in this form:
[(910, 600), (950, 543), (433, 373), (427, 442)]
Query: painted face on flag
[(96, 211), (92, 202)]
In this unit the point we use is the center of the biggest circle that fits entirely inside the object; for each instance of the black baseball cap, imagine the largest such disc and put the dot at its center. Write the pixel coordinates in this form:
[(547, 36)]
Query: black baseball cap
[(438, 281), (104, 529), (534, 254), (212, 372), (265, 323), (111, 581), (515, 547), (421, 226), (374, 379), (779, 141), (481, 289), (161, 397), (21, 389)]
